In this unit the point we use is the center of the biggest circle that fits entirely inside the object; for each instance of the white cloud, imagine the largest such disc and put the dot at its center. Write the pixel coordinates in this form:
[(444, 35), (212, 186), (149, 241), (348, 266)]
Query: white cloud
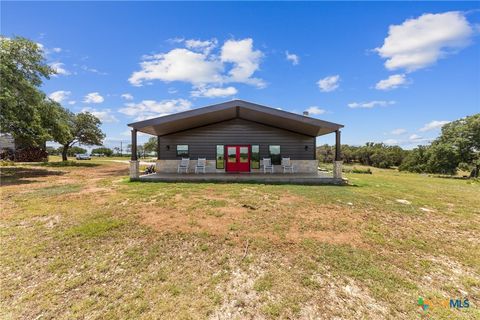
[(59, 96), (104, 115), (410, 141), (205, 46), (46, 51), (127, 96), (93, 70), (391, 141), (420, 42), (329, 83), (59, 69), (414, 137), (72, 102), (178, 65), (292, 58), (93, 97), (176, 40), (398, 131), (150, 108), (128, 133), (315, 110), (433, 125), (237, 62), (214, 92), (245, 61), (370, 104), (392, 82)]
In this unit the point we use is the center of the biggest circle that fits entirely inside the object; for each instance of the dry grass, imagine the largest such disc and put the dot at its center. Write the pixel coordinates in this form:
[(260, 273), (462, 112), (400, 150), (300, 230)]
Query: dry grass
[(84, 242)]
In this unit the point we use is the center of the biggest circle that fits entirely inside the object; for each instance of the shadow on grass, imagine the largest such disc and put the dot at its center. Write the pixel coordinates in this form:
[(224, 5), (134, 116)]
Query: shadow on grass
[(208, 181), (21, 175), (464, 178)]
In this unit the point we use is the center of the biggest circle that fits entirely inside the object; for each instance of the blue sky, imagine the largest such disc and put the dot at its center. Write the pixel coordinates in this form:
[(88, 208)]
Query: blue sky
[(390, 72)]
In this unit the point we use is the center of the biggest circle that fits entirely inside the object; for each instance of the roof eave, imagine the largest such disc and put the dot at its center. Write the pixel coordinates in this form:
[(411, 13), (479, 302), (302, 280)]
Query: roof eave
[(149, 124)]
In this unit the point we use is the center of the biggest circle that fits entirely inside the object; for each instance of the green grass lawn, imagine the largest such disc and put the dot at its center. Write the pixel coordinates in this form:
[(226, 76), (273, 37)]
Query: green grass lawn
[(96, 159), (81, 241)]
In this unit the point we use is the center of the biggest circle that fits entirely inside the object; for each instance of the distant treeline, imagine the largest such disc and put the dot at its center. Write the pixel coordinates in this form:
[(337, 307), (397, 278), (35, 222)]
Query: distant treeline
[(457, 148), (72, 151), (371, 154)]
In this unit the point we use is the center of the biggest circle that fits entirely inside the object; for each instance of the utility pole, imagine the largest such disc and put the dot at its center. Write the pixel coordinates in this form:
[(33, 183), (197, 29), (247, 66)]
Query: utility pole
[(121, 150)]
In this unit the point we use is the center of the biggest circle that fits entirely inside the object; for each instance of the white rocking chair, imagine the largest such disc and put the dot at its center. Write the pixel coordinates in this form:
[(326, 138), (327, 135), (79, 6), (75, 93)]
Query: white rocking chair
[(267, 165), (201, 164), (287, 165), (183, 165)]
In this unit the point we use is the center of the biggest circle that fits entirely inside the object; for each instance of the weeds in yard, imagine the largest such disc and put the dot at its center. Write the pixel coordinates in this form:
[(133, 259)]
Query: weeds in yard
[(68, 163), (96, 226), (89, 243), (55, 190)]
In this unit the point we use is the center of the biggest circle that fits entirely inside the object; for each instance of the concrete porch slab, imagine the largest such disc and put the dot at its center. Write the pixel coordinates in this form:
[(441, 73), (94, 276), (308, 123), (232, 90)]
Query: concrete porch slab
[(276, 178)]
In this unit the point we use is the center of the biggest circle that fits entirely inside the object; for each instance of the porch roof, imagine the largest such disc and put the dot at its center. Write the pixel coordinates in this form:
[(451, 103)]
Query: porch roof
[(235, 109)]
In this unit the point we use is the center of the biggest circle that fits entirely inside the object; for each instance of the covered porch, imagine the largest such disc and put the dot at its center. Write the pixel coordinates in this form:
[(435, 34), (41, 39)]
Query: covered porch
[(265, 178), (232, 141)]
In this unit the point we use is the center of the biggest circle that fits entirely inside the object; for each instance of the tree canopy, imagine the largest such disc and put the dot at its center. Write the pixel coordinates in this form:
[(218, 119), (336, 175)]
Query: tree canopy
[(83, 128), (26, 113), (74, 151), (151, 145), (371, 154), (103, 150), (457, 147)]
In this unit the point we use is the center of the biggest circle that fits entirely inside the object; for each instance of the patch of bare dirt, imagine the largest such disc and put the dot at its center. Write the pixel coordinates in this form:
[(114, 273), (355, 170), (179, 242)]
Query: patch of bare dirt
[(446, 273), (167, 220), (240, 300), (319, 222), (325, 236), (348, 299)]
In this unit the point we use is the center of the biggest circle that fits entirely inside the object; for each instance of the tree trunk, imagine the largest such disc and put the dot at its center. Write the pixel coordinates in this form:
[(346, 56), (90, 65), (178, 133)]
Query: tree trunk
[(64, 152), (474, 173)]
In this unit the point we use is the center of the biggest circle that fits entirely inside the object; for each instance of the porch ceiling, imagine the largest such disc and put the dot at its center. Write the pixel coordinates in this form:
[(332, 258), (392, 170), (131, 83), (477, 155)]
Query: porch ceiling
[(235, 109)]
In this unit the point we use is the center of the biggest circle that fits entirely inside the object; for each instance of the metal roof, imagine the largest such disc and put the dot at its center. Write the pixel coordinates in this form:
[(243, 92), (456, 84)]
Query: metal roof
[(235, 109)]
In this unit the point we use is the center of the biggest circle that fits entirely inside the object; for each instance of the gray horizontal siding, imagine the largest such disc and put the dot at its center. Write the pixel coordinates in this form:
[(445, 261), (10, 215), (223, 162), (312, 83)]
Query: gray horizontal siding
[(7, 142), (202, 141)]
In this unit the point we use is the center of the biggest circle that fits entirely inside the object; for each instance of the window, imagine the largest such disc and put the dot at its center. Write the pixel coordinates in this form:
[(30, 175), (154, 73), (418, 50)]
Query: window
[(182, 150), (255, 157), (220, 157), (274, 152), (243, 155), (232, 154)]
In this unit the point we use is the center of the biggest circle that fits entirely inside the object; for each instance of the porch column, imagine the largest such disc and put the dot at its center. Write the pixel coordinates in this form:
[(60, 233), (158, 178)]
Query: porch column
[(134, 163), (338, 146), (337, 164), (134, 145), (158, 164)]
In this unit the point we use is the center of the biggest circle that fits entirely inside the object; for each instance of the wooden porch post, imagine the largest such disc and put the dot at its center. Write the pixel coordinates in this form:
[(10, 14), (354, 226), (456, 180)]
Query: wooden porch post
[(338, 146), (337, 164), (134, 145), (158, 147)]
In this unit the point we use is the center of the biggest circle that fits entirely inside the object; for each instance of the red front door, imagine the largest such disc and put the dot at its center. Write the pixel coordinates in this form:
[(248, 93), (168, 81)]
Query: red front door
[(238, 158)]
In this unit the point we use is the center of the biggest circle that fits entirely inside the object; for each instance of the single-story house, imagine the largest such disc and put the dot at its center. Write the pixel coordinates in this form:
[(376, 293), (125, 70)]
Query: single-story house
[(235, 137)]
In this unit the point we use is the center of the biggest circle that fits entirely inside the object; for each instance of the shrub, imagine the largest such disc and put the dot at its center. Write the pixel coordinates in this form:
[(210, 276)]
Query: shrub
[(365, 171), (7, 163), (31, 154)]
